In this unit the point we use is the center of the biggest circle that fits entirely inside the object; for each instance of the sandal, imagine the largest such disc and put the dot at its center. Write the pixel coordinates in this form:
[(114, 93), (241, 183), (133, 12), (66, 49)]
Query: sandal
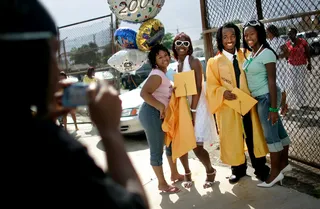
[(187, 184), (171, 190), (180, 178), (209, 184)]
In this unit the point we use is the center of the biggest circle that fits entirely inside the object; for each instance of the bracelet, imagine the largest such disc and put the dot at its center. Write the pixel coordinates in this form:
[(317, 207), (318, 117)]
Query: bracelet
[(193, 110), (273, 109)]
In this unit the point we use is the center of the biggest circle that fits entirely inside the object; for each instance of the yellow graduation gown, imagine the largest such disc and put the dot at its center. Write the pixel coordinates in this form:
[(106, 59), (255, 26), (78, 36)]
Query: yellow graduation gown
[(221, 77), (178, 127)]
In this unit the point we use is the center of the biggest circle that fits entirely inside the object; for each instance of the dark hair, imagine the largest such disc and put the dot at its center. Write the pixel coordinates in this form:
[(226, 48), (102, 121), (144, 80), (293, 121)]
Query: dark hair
[(273, 30), (33, 52), (33, 55), (220, 38), (262, 36), (153, 53), (90, 71), (294, 30), (182, 34)]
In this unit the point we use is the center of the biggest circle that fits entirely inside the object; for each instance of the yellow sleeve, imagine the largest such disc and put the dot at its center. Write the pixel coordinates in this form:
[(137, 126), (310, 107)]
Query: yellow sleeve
[(85, 79), (214, 88)]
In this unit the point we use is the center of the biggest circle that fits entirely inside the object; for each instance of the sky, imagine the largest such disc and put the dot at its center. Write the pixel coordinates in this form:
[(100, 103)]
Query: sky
[(175, 15)]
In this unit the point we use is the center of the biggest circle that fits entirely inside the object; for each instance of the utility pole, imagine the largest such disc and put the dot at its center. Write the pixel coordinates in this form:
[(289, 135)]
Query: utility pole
[(94, 38)]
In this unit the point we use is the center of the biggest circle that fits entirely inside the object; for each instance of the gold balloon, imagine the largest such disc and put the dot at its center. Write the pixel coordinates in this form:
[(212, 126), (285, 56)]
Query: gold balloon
[(149, 34)]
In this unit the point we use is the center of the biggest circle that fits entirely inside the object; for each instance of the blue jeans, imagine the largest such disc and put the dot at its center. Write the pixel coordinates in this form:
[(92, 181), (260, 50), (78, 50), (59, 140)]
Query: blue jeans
[(150, 119), (275, 135)]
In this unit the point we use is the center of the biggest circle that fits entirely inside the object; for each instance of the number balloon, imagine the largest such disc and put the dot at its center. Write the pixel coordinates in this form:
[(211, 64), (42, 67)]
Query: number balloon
[(135, 11)]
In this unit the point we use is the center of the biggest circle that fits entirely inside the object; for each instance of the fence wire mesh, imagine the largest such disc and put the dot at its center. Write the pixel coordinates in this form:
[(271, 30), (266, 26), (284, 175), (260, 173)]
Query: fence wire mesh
[(84, 44), (302, 121)]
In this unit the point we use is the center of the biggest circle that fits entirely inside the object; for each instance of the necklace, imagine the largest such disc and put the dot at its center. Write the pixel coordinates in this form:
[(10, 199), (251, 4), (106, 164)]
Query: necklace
[(251, 59)]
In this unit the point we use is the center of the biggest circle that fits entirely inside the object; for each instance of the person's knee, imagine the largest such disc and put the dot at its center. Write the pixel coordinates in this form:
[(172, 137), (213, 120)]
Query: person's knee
[(198, 150), (156, 158)]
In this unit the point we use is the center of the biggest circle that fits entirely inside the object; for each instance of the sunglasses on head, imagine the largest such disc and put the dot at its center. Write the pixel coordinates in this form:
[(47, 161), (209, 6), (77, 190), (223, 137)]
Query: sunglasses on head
[(252, 23), (184, 43)]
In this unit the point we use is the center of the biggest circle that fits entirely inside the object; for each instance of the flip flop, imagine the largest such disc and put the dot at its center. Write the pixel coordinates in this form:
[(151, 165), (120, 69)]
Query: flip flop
[(171, 190)]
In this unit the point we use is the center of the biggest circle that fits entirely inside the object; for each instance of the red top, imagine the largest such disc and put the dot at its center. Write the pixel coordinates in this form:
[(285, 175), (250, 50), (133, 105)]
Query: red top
[(297, 54)]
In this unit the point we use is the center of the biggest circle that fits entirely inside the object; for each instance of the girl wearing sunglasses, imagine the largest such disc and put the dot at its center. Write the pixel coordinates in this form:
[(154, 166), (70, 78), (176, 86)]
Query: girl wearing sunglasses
[(204, 126), (260, 69)]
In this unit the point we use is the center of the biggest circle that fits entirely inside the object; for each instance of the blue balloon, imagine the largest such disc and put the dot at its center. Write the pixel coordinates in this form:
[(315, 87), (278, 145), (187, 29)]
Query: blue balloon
[(126, 38)]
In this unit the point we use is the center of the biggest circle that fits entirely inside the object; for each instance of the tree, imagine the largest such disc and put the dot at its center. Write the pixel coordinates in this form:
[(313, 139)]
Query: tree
[(168, 40), (86, 54), (106, 53), (236, 21)]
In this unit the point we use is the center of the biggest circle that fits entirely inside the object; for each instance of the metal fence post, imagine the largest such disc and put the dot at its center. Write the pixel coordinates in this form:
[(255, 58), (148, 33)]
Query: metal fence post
[(65, 55), (207, 37), (259, 9)]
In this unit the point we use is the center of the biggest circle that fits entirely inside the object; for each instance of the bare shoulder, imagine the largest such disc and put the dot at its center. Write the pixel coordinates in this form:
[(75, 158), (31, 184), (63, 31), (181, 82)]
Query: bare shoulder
[(195, 63)]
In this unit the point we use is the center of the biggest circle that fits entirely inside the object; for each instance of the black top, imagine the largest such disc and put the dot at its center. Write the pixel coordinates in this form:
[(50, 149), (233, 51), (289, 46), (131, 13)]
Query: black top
[(49, 169)]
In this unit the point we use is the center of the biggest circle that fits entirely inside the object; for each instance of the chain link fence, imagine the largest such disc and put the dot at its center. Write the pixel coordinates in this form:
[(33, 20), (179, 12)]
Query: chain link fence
[(86, 44), (302, 121)]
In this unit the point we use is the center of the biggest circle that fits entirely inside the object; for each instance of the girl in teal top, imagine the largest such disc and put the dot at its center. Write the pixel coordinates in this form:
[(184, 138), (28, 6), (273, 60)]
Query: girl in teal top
[(260, 69)]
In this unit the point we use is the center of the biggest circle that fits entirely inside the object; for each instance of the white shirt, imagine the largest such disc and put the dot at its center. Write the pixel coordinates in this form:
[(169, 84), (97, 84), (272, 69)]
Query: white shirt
[(276, 44), (229, 55)]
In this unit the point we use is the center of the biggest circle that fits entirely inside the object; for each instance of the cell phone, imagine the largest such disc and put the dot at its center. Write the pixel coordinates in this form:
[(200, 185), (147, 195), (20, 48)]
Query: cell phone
[(75, 95)]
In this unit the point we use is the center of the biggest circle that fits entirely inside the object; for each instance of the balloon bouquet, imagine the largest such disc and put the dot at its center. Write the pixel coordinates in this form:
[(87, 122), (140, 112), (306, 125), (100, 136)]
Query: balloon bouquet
[(135, 45)]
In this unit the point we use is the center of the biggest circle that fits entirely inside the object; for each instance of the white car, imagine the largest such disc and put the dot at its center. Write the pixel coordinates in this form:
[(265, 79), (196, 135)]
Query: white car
[(131, 102)]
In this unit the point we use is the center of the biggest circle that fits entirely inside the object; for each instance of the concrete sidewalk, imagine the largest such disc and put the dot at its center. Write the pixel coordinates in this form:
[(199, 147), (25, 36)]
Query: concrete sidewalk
[(243, 195)]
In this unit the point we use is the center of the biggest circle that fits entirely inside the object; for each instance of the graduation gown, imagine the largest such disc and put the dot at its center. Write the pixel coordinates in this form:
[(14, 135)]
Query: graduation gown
[(178, 127), (221, 77)]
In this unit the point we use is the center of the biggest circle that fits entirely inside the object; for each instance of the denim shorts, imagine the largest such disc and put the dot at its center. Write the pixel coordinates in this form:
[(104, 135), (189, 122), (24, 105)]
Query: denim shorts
[(275, 135), (152, 124)]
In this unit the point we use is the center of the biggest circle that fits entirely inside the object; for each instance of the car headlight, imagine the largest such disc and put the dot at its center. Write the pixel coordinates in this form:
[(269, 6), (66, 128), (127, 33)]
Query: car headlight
[(130, 112)]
